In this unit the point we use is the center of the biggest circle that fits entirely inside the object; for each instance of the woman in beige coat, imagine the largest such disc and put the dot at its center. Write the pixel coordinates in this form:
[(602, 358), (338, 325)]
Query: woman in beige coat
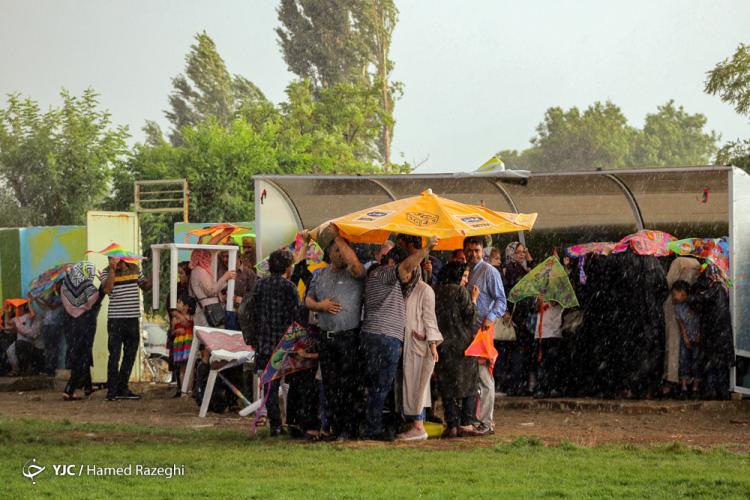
[(421, 339)]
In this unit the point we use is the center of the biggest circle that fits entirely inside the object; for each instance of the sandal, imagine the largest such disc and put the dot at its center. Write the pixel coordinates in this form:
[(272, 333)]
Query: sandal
[(262, 420), (309, 436), (70, 397)]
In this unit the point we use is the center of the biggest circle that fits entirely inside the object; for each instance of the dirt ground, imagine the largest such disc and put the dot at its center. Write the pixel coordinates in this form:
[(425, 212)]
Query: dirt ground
[(581, 422)]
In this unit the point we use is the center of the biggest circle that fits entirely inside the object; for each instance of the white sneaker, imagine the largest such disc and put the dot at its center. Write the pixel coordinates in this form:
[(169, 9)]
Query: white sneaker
[(412, 436)]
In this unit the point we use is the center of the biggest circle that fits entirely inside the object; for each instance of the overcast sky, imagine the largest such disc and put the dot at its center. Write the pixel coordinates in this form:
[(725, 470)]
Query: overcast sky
[(478, 75)]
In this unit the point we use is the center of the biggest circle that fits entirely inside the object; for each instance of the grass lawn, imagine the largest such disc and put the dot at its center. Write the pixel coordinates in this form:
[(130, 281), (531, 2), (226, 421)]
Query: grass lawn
[(230, 464)]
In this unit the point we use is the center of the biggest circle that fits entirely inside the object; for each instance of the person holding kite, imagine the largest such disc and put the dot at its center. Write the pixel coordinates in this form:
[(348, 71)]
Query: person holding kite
[(490, 306), (122, 280), (277, 305), (81, 300)]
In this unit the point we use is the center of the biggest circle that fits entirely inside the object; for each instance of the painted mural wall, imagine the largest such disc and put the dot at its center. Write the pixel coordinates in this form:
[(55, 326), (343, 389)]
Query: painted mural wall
[(181, 229), (44, 247)]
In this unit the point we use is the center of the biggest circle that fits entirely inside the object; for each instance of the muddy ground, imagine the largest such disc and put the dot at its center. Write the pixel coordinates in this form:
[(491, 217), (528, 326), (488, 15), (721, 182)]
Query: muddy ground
[(579, 421)]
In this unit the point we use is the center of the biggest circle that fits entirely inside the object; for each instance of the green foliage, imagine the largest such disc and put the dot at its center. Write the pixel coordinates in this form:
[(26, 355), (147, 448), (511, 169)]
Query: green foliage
[(730, 79), (735, 153), (333, 132), (600, 137), (56, 165), (334, 42), (320, 40), (207, 89), (570, 140), (672, 137)]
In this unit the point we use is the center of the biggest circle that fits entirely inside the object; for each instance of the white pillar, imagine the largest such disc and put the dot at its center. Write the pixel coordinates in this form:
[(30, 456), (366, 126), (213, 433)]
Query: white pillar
[(230, 286), (173, 261), (155, 265)]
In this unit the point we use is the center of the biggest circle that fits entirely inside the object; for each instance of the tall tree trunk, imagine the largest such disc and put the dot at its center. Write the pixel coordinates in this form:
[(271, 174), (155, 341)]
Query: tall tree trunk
[(383, 41)]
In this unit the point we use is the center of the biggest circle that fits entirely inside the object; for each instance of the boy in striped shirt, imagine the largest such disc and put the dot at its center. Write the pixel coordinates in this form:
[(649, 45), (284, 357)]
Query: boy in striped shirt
[(122, 282)]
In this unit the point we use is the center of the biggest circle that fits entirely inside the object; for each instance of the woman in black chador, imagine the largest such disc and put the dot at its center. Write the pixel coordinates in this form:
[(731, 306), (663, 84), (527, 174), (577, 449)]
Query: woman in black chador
[(621, 347), (710, 299)]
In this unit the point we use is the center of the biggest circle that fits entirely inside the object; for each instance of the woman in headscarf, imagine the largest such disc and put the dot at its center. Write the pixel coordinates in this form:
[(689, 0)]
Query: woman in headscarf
[(81, 300), (514, 358), (421, 338), (682, 269), (459, 374), (710, 298), (203, 284)]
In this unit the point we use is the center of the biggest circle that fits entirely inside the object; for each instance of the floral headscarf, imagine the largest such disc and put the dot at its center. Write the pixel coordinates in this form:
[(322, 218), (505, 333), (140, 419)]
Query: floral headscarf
[(201, 259), (510, 252)]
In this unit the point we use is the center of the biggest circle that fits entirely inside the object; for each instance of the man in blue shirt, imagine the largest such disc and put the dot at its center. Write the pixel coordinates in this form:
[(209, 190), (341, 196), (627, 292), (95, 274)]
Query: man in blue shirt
[(491, 305)]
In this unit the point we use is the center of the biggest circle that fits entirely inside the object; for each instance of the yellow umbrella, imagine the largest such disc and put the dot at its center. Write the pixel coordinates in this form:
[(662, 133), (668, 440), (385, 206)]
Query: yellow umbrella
[(429, 215)]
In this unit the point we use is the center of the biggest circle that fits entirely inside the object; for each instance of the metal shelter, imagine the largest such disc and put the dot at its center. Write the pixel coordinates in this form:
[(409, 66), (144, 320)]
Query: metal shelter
[(573, 207)]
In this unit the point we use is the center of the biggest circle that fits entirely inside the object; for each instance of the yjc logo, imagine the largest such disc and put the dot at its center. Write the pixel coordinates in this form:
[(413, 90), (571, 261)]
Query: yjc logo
[(32, 470)]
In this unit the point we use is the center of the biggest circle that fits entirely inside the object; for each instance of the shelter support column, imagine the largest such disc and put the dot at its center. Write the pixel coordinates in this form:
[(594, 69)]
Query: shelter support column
[(639, 225), (512, 204)]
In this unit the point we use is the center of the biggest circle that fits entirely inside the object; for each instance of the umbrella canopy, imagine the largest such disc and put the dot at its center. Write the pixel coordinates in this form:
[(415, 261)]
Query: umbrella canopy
[(219, 234), (45, 281), (116, 251), (429, 215), (548, 279)]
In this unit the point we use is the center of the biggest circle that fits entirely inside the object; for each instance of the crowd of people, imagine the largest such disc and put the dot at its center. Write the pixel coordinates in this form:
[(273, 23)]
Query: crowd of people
[(391, 330)]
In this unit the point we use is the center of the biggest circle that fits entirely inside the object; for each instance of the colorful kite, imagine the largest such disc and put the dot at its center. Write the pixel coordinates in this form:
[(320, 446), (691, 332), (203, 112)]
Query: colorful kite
[(714, 250), (549, 282), (44, 283), (646, 242), (596, 247), (311, 252), (483, 346), (286, 358), (116, 251), (217, 234)]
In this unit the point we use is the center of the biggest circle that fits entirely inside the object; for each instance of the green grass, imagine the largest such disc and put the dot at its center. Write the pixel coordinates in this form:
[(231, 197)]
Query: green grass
[(231, 464)]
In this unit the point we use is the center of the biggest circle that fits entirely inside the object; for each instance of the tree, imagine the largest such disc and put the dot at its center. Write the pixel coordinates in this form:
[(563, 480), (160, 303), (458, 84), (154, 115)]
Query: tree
[(378, 20), (334, 132), (331, 42), (672, 137), (730, 79), (601, 137), (735, 153), (56, 165), (207, 89), (320, 42), (570, 140)]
